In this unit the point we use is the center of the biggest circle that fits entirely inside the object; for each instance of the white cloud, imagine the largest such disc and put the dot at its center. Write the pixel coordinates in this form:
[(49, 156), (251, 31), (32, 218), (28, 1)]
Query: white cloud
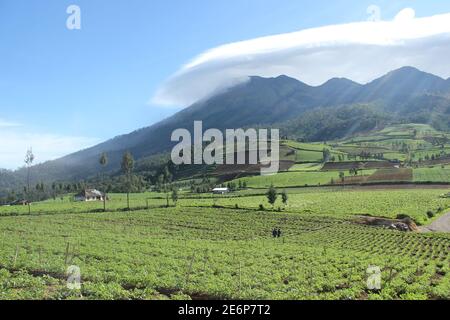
[(360, 51), (14, 144), (8, 124)]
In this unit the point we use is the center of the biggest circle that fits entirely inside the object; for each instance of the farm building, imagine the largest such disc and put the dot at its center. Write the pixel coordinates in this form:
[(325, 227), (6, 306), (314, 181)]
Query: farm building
[(221, 190), (19, 203), (89, 195)]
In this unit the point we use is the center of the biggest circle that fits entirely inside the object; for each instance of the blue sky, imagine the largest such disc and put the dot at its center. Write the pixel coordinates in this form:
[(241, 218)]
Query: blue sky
[(73, 88)]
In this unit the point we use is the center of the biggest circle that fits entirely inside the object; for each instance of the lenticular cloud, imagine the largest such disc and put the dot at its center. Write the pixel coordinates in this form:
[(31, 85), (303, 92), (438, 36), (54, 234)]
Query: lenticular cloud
[(359, 51)]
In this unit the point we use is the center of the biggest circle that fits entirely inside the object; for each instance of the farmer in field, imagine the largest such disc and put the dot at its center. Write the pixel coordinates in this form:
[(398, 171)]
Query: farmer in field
[(274, 232)]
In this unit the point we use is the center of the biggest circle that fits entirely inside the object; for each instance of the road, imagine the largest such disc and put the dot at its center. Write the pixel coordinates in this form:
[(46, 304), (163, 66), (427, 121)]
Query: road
[(440, 225)]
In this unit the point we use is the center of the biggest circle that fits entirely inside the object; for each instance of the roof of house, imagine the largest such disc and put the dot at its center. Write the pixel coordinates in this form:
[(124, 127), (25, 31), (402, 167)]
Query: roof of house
[(16, 202), (89, 193), (220, 189)]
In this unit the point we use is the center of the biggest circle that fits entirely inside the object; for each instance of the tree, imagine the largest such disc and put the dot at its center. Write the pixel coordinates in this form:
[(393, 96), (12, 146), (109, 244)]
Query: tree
[(272, 195), (54, 190), (175, 196), (342, 176), (326, 154), (104, 162), (167, 175), (127, 169), (284, 197), (29, 158)]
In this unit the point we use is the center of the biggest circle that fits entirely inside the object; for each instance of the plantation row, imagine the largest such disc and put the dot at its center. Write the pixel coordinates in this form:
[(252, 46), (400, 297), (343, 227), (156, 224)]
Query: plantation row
[(211, 253)]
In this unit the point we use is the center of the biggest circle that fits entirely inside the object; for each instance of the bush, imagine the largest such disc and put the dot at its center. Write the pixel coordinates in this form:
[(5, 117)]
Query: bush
[(402, 216), (430, 214), (261, 207)]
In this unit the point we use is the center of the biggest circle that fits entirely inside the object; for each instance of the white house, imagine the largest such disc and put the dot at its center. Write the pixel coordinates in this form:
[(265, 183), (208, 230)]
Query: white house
[(221, 190), (89, 195)]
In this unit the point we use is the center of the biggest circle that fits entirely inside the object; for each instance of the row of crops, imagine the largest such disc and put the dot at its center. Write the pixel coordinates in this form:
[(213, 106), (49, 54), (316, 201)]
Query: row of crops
[(216, 253)]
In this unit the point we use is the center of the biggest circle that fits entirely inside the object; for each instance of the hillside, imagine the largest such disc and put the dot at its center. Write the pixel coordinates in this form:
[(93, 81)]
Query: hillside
[(338, 108)]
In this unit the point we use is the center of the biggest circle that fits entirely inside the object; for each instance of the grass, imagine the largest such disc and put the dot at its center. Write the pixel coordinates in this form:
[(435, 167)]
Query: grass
[(435, 174), (67, 206), (291, 179), (306, 167), (308, 156), (394, 156), (318, 147)]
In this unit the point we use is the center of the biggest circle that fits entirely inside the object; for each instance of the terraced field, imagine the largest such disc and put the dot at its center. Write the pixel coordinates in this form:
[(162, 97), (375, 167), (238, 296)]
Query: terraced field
[(306, 167), (392, 175), (435, 174), (291, 179)]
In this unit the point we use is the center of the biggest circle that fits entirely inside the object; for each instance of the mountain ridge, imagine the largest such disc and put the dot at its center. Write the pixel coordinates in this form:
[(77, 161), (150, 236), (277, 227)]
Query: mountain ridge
[(273, 101)]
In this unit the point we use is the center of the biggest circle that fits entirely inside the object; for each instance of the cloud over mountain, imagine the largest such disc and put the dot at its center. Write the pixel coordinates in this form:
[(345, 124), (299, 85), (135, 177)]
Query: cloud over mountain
[(359, 51)]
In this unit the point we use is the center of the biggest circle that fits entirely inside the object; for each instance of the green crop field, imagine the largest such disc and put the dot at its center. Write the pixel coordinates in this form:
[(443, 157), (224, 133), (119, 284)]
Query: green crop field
[(209, 253), (306, 146), (299, 178), (208, 246), (291, 179), (436, 174), (308, 156), (306, 167), (335, 202), (67, 206)]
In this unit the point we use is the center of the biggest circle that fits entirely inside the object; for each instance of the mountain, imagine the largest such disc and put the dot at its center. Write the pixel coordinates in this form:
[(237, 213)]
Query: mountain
[(334, 109), (401, 85)]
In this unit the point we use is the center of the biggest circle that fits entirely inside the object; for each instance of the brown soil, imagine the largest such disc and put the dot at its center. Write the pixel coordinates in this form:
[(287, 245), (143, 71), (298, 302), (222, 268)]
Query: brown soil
[(386, 175), (383, 222)]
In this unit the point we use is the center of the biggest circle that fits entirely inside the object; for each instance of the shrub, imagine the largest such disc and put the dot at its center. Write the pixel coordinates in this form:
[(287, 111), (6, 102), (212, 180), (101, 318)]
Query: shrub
[(402, 216)]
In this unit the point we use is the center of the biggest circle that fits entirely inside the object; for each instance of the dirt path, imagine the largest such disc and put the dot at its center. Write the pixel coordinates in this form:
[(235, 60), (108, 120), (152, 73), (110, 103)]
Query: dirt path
[(440, 225)]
